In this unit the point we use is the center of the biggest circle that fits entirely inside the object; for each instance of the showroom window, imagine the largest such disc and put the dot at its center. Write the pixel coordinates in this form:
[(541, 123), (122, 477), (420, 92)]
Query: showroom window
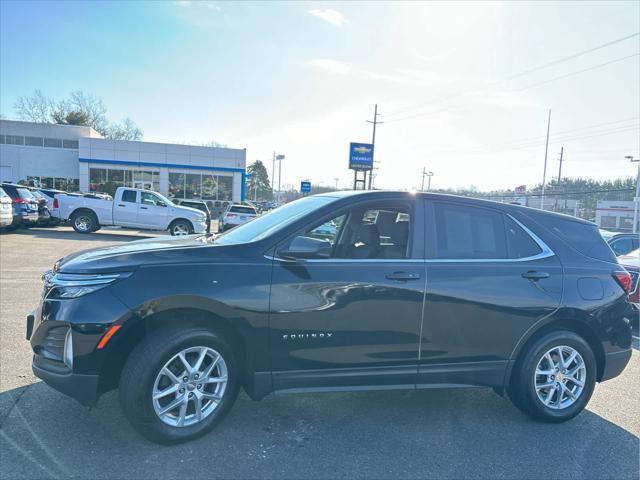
[(107, 180), (202, 186), (57, 183)]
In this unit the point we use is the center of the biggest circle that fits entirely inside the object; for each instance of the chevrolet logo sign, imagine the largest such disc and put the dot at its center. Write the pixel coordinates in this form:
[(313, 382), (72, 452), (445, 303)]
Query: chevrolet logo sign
[(362, 149)]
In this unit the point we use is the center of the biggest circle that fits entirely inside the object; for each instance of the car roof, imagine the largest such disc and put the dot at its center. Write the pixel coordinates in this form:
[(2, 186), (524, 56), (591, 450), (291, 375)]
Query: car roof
[(480, 202)]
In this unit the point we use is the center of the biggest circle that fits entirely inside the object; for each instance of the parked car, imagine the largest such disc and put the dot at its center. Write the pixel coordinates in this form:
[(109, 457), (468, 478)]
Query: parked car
[(631, 262), (236, 215), (198, 205), (132, 208), (621, 243), (24, 205), (50, 195), (44, 216), (412, 291), (6, 214)]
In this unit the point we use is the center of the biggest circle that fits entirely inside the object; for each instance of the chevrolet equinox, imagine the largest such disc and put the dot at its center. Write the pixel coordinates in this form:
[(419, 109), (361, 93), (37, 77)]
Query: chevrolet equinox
[(335, 292)]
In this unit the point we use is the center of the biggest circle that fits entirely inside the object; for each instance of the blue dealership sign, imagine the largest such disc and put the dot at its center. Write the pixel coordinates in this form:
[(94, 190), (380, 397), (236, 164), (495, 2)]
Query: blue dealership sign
[(305, 187), (361, 156)]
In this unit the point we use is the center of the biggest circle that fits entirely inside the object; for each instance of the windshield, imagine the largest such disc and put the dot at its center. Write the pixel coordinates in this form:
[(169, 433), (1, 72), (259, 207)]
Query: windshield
[(272, 222)]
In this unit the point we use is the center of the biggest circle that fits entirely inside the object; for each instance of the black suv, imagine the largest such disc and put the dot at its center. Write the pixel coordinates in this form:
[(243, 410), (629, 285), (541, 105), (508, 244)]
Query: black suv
[(368, 290)]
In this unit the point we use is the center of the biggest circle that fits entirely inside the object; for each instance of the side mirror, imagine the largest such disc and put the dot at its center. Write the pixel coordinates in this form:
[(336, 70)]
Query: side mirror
[(302, 247)]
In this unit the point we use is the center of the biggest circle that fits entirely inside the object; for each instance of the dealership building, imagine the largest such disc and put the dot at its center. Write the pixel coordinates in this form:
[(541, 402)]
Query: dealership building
[(75, 158)]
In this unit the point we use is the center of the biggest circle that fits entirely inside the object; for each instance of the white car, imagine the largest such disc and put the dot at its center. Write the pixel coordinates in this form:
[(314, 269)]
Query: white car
[(6, 210), (236, 215), (132, 208)]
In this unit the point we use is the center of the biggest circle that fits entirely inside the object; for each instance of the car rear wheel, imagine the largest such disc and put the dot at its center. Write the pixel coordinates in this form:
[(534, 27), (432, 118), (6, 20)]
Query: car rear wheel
[(84, 222), (181, 227), (179, 384), (555, 377)]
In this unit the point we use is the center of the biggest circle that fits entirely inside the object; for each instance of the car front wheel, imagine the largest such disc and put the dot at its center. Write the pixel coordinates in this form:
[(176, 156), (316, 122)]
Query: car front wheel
[(178, 384), (555, 377), (181, 227)]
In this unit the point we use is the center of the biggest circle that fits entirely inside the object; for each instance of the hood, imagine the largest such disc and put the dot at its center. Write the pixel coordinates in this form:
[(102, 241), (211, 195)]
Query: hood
[(129, 256)]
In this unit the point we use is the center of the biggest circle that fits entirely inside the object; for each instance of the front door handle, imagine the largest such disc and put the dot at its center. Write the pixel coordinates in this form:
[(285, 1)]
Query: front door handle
[(121, 205), (402, 276), (143, 208), (533, 275)]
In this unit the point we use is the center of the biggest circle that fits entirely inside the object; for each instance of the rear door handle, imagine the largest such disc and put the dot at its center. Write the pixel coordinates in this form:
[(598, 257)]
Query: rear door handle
[(143, 208), (121, 205), (533, 275), (402, 276)]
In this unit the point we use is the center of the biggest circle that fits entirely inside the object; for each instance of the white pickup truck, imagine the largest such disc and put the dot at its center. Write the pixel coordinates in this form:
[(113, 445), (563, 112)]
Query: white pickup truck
[(131, 208)]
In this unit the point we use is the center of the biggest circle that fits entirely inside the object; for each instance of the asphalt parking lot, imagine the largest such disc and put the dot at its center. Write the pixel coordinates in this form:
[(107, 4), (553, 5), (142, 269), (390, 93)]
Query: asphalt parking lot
[(417, 434)]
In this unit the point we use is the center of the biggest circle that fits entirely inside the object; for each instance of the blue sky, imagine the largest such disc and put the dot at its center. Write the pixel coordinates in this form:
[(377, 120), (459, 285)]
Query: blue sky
[(301, 78)]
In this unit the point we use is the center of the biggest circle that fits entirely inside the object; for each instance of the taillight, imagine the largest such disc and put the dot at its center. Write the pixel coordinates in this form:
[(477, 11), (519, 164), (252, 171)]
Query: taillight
[(624, 279), (55, 203), (19, 200), (231, 215)]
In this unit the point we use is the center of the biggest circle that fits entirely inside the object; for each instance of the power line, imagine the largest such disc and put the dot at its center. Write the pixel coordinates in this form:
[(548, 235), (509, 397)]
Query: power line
[(570, 57), (528, 71), (547, 194), (577, 72)]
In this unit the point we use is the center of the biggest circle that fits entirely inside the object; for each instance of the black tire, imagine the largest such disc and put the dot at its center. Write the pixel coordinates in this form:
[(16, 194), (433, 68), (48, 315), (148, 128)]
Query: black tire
[(142, 368), (178, 226), (84, 221), (522, 388)]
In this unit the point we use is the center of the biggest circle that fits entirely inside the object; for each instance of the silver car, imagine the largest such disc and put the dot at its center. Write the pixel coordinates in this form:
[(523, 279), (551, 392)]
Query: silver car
[(6, 212), (236, 215)]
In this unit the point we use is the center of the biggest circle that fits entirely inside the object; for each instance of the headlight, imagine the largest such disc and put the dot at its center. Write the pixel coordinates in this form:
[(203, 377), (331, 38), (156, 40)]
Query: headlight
[(72, 285)]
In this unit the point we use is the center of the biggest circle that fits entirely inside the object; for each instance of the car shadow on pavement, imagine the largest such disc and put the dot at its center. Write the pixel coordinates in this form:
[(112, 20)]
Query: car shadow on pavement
[(415, 434), (69, 234)]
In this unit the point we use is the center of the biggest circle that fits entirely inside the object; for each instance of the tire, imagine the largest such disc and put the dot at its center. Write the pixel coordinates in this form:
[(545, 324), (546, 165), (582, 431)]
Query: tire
[(84, 222), (141, 375), (180, 227), (553, 403)]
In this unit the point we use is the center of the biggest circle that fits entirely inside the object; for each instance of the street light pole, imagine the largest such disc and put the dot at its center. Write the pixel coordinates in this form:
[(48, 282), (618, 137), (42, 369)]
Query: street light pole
[(636, 200), (428, 175)]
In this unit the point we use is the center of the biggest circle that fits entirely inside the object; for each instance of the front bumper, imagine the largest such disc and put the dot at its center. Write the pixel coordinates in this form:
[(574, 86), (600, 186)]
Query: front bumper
[(614, 364), (83, 388), (199, 227)]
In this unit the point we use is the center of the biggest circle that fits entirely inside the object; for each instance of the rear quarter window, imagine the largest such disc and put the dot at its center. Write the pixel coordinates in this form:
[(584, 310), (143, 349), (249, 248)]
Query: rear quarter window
[(246, 210), (582, 237)]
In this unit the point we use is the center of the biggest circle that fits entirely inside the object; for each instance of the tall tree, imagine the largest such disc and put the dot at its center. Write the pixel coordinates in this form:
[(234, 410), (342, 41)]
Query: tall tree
[(79, 109), (258, 182)]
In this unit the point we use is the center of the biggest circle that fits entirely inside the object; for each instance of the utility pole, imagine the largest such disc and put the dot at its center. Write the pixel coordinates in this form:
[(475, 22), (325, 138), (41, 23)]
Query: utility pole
[(428, 175), (373, 141), (636, 200), (336, 179), (273, 176), (544, 172), (560, 168)]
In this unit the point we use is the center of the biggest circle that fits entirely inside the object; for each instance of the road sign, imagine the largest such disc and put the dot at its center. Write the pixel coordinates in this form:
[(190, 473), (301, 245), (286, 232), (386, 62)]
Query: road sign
[(305, 187), (521, 189), (361, 156)]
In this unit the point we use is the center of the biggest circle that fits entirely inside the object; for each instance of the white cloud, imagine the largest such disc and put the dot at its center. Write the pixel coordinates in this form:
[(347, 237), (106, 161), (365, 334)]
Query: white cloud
[(329, 65), (330, 16)]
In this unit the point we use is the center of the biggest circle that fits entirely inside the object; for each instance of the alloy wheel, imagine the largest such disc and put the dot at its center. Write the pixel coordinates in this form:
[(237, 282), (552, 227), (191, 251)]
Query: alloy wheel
[(190, 386), (180, 229), (83, 223), (560, 377)]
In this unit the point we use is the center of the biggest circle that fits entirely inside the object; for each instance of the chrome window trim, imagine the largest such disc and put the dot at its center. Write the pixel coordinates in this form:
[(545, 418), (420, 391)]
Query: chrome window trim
[(546, 252)]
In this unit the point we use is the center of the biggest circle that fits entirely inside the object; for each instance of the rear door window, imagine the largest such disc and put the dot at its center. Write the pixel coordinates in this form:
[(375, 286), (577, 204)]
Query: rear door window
[(464, 232), (129, 196)]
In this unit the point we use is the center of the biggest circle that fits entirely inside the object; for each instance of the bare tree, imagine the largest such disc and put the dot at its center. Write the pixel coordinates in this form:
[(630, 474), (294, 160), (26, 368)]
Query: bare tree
[(34, 108), (127, 130)]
